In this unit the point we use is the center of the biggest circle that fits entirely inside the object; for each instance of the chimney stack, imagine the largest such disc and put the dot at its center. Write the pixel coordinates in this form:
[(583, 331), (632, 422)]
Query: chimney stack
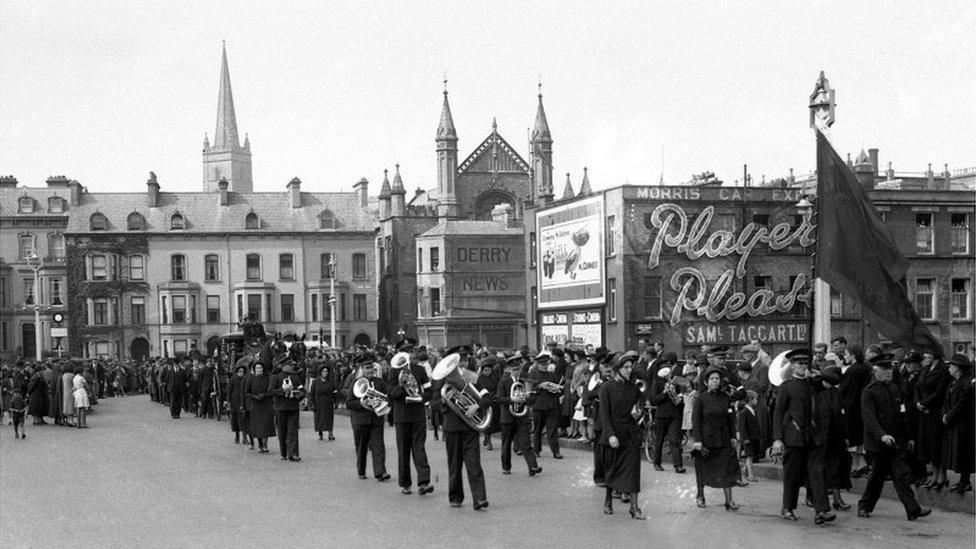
[(362, 189), (295, 192), (873, 155), (153, 188), (7, 182), (222, 186)]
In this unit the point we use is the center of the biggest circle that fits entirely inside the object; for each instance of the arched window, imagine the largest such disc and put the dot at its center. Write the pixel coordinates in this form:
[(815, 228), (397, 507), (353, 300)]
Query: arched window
[(177, 223), (252, 221), (98, 222), (55, 245), (26, 245), (25, 205), (55, 204), (327, 220), (136, 222), (487, 201)]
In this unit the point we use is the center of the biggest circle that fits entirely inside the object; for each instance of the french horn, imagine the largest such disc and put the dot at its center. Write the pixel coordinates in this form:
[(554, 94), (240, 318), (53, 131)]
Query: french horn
[(459, 392)]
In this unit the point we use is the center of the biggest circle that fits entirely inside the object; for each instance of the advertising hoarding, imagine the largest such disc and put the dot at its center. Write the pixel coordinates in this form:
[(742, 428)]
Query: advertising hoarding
[(570, 264)]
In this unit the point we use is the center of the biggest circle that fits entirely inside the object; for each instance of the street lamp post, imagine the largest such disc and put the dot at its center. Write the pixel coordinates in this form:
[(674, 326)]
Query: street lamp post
[(35, 262), (808, 211), (332, 301)]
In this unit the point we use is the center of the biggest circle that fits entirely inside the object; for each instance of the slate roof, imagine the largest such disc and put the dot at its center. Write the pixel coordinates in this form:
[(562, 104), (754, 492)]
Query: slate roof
[(479, 228), (9, 197), (203, 213)]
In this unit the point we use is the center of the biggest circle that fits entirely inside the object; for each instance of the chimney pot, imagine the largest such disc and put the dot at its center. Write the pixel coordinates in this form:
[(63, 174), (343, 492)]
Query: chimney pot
[(295, 192)]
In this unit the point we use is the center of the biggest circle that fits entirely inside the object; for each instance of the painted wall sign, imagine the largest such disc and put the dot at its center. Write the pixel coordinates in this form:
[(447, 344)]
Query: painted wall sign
[(701, 333), (485, 284), (693, 239), (483, 254)]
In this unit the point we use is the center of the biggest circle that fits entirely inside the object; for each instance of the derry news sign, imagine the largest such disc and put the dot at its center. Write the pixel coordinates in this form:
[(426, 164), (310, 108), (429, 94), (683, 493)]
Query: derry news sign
[(675, 230)]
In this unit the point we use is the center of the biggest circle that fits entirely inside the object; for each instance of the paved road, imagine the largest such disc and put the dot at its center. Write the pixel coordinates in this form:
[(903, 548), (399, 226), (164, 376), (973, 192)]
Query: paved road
[(139, 478)]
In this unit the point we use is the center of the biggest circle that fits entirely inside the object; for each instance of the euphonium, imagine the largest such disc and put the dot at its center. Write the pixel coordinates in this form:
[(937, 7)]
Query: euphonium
[(401, 361), (372, 399), (517, 394), (459, 392)]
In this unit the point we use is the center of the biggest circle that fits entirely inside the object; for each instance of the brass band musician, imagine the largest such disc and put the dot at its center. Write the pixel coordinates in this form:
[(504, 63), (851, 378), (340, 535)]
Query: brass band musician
[(515, 417), (367, 426), (408, 396)]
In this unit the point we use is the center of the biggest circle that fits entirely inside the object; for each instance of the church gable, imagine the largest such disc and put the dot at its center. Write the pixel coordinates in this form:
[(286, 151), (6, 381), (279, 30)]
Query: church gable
[(494, 155)]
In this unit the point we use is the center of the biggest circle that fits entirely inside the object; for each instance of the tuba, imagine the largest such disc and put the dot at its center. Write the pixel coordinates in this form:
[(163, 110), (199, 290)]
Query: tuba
[(459, 391), (779, 369), (372, 399), (517, 394), (401, 361)]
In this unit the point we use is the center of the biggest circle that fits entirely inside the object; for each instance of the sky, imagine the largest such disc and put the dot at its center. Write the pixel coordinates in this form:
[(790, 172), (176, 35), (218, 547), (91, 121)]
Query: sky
[(103, 92)]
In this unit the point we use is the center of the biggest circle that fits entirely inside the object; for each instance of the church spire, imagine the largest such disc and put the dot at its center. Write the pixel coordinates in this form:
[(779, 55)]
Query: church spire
[(447, 162), (445, 129), (541, 145), (541, 130), (225, 137)]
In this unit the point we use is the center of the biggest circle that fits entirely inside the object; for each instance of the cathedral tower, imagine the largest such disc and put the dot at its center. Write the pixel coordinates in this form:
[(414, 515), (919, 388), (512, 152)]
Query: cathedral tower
[(225, 157), (541, 144), (447, 162)]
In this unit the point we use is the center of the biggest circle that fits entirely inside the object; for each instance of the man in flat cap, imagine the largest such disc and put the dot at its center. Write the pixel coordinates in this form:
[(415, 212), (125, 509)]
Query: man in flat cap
[(886, 441), (800, 438)]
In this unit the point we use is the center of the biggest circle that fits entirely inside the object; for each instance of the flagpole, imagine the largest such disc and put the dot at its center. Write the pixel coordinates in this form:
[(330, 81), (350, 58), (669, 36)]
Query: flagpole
[(821, 119)]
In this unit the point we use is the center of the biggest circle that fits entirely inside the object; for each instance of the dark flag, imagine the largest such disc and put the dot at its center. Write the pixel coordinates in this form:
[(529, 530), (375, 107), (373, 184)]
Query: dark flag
[(857, 256)]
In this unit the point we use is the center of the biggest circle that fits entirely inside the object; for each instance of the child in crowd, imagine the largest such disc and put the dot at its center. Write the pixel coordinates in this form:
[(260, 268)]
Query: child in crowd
[(18, 409), (747, 433)]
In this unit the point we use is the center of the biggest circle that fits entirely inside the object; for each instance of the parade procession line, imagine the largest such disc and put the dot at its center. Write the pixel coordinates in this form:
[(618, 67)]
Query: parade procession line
[(138, 478)]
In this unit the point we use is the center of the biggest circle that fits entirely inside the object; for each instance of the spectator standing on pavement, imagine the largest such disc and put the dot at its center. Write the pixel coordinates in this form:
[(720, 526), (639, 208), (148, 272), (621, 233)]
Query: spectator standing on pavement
[(957, 416), (748, 433), (17, 411), (67, 396), (82, 402), (322, 398), (37, 395), (930, 392)]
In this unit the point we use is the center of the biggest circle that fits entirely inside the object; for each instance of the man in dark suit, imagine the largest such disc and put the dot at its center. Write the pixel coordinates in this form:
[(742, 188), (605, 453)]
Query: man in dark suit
[(176, 385), (206, 387), (367, 427), (886, 441), (463, 449), (667, 413), (796, 429), (288, 390), (545, 409), (410, 416), (514, 428)]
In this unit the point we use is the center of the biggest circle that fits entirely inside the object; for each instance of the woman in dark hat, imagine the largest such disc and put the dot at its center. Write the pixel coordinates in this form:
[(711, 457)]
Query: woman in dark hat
[(620, 402), (322, 398), (930, 391), (713, 432), (837, 461), (237, 404), (262, 410), (957, 416)]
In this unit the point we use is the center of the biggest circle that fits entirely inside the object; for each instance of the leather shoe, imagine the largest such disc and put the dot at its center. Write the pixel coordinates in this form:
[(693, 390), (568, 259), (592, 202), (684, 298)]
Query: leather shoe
[(426, 489), (923, 512), (479, 505), (406, 491), (384, 477), (557, 456), (534, 472), (863, 514), (294, 458), (680, 470), (788, 514), (362, 477), (841, 505), (456, 504), (658, 467), (824, 517), (506, 472)]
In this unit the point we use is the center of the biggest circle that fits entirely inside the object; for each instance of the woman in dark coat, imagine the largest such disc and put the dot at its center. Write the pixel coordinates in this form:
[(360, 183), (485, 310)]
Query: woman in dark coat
[(930, 391), (262, 411), (620, 406), (911, 366), (713, 432), (957, 416), (322, 398), (237, 404), (837, 461), (37, 391)]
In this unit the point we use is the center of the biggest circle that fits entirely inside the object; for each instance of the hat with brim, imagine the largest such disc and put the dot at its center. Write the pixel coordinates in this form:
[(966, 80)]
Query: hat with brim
[(713, 370), (624, 358), (882, 361), (799, 355), (961, 361), (831, 375)]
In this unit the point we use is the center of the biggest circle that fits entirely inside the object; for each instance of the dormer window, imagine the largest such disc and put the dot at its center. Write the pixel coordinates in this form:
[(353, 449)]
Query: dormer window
[(177, 223), (98, 222), (136, 222), (55, 204), (25, 205), (252, 222), (327, 220)]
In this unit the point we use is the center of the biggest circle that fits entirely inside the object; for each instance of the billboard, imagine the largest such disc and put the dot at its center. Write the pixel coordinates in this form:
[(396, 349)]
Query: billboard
[(569, 247)]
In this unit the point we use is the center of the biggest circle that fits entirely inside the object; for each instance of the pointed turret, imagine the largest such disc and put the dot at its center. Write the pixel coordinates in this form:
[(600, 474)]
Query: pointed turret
[(864, 170), (206, 142), (225, 157), (568, 189), (385, 196), (541, 144), (585, 188), (447, 162), (397, 195)]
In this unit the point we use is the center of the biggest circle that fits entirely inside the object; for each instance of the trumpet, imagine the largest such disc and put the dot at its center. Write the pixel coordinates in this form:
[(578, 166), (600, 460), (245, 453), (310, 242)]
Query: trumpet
[(371, 399), (550, 387), (517, 394), (459, 393)]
